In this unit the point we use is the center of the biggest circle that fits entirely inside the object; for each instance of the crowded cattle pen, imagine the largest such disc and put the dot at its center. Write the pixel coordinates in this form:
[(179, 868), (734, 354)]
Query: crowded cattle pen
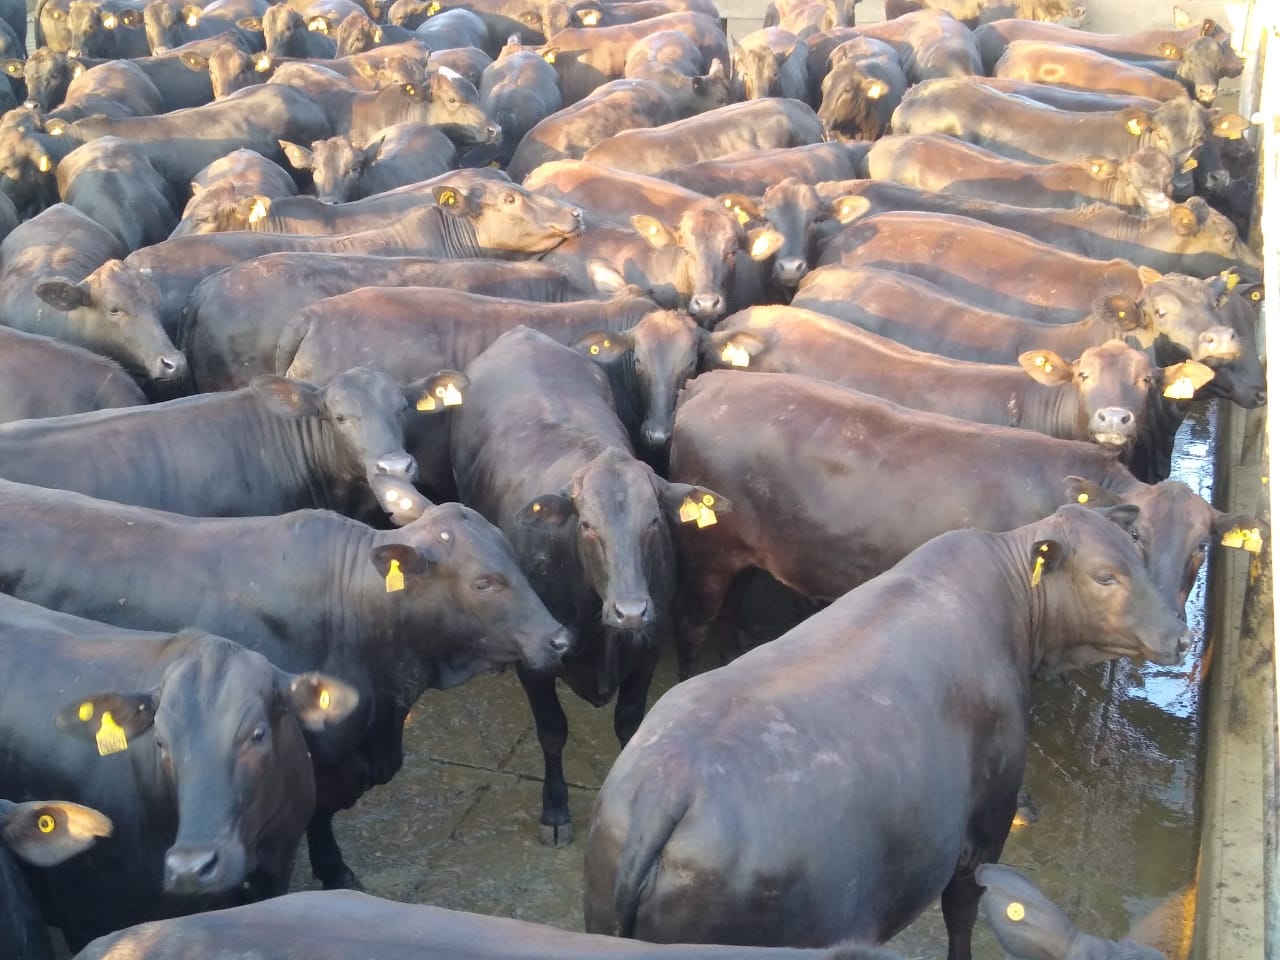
[(831, 395)]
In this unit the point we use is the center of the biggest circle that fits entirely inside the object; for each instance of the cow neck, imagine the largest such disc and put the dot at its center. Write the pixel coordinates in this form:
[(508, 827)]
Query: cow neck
[(305, 462), (457, 236), (1011, 567), (1056, 411)]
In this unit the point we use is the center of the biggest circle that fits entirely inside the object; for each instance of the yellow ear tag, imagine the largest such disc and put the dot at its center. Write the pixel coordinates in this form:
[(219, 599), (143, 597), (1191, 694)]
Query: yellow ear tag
[(688, 510), (1234, 538), (86, 712), (1041, 361), (109, 21), (1015, 912), (450, 395), (409, 90), (448, 198), (1189, 164), (549, 56), (1180, 389), (377, 34), (1255, 295), (735, 355), (1048, 368), (1242, 539), (1035, 573), (1134, 127), (761, 245), (1253, 540), (325, 699), (1083, 498), (594, 350), (875, 91), (706, 517), (433, 8), (13, 68), (193, 18), (590, 18), (44, 164), (262, 64), (110, 736), (395, 579), (426, 403), (46, 824), (258, 211)]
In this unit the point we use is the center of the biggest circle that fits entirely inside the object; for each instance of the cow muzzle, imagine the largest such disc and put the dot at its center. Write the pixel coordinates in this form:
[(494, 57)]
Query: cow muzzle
[(1218, 343), (706, 306), (168, 367), (201, 870), (547, 652), (631, 613), (1206, 93), (399, 465), (789, 271), (1113, 426)]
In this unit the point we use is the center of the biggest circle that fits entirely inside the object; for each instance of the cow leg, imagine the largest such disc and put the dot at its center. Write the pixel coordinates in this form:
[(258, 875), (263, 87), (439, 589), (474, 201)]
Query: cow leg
[(633, 692), (553, 731), (988, 830), (326, 856), (960, 912), (699, 603)]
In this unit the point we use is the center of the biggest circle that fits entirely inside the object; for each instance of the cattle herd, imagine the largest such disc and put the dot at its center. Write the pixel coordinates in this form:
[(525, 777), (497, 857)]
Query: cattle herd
[(350, 351)]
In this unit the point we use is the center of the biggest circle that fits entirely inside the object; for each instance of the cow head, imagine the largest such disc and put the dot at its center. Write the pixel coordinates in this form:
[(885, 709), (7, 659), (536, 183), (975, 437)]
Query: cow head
[(116, 311), (47, 832), (28, 169), (1146, 176), (230, 68), (336, 165), (53, 24), (654, 358), (1242, 380), (1199, 66), (48, 74), (453, 587), (1180, 315), (1027, 924), (284, 31), (356, 34), (451, 103), (227, 737), (615, 510), (92, 28), (164, 20), (1206, 231), (1232, 65), (507, 218), (1099, 602)]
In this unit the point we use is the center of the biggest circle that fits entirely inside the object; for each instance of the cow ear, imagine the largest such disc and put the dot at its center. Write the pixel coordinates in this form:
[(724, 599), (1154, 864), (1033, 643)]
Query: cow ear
[(110, 720), (764, 242), (1080, 490), (1170, 51), (299, 157), (371, 151), (451, 200), (1136, 120), (1181, 19), (397, 562), (1024, 921), (604, 346), (732, 348), (531, 18), (399, 499), (656, 233), (191, 14), (1101, 168), (1208, 27), (1046, 367), (849, 208), (13, 67), (548, 511), (252, 24), (1046, 557), (365, 68), (290, 398), (194, 61), (254, 208), (47, 832), (604, 277), (1241, 531), (689, 503), (62, 294), (130, 18), (1149, 275), (1183, 380), (1230, 126), (1120, 310), (742, 207), (1183, 220), (1123, 515), (437, 392), (317, 699)]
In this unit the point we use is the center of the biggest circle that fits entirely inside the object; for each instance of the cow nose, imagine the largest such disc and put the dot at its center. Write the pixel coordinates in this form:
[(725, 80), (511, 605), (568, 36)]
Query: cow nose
[(31, 105), (1113, 425), (789, 270), (1260, 397), (170, 367), (630, 614), (656, 435), (493, 133), (400, 465), (1220, 343), (73, 52), (706, 305), (160, 48), (1184, 643), (560, 642), (190, 870), (1205, 93)]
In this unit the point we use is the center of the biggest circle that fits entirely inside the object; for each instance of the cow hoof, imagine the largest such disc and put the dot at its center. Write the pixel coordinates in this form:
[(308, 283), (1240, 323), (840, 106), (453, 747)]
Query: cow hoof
[(555, 836), (345, 880)]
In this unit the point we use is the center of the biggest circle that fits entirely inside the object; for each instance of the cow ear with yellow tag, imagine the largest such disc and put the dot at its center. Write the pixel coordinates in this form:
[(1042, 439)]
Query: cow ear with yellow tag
[(438, 392), (1101, 168), (1120, 310), (732, 348), (764, 242), (1181, 380), (13, 67), (398, 564), (1046, 367), (1136, 120), (693, 504), (1086, 492), (550, 510), (741, 206), (1241, 531), (318, 700), (110, 21), (604, 346), (1229, 126), (256, 209), (1025, 923), (47, 832), (1183, 220), (849, 208), (656, 233), (108, 720), (1046, 555), (450, 199)]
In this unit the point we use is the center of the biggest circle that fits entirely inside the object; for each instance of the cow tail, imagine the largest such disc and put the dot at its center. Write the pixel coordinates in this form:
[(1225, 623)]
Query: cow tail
[(664, 805)]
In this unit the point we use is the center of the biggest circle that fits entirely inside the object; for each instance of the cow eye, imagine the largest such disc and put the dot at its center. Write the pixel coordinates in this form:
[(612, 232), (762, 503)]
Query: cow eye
[(1083, 376), (259, 733), (114, 311), (488, 584), (1105, 577), (509, 198), (1161, 312)]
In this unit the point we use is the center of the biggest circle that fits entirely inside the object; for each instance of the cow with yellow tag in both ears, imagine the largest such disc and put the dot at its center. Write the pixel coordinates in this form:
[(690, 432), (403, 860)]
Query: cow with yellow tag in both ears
[(538, 449)]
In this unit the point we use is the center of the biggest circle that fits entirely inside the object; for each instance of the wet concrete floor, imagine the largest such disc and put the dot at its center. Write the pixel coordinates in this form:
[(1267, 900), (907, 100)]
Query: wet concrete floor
[(1113, 766)]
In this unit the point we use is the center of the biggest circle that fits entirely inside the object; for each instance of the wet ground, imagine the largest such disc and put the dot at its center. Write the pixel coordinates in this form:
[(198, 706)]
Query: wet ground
[(1113, 767)]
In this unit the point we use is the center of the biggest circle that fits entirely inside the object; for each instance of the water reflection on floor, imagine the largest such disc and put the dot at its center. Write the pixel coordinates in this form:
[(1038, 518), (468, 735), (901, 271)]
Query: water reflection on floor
[(1113, 765)]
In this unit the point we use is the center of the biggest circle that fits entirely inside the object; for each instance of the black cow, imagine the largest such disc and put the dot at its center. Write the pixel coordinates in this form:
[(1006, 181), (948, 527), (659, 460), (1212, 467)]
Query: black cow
[(331, 925), (274, 446), (44, 833), (196, 748), (540, 451), (345, 169), (40, 377), (391, 612), (112, 181), (61, 278), (934, 657)]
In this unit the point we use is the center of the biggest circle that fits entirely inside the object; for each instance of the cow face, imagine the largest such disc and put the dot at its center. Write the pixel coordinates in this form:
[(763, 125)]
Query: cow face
[(1205, 230), (656, 357), (230, 68), (28, 169), (757, 71), (163, 21), (92, 28), (53, 24), (284, 31), (453, 587), (116, 311), (507, 218), (48, 74), (1242, 380), (1183, 313), (1146, 177), (1200, 66), (47, 832), (365, 410), (1099, 600), (227, 736), (356, 34), (453, 105), (1172, 528), (1178, 127), (336, 165)]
